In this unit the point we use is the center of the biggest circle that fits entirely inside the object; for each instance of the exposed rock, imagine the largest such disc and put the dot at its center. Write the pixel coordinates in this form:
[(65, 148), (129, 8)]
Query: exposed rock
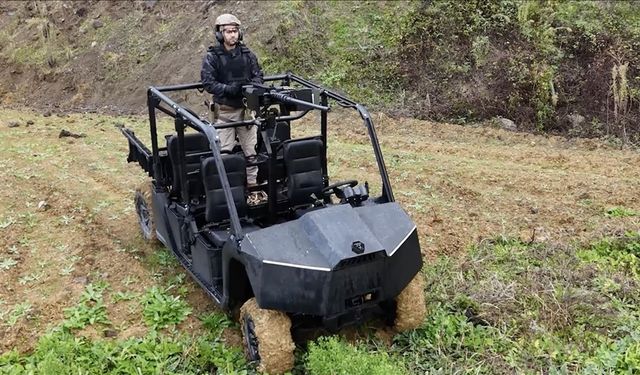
[(66, 133), (506, 124), (149, 4), (13, 124), (47, 114), (110, 333), (43, 206), (81, 280), (97, 24), (81, 12), (30, 122)]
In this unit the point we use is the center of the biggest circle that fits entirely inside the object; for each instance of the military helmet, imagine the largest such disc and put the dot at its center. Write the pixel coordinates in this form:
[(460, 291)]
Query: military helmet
[(227, 19)]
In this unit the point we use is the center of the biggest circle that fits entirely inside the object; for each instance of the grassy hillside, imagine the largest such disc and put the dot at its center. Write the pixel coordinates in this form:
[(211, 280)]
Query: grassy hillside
[(564, 66)]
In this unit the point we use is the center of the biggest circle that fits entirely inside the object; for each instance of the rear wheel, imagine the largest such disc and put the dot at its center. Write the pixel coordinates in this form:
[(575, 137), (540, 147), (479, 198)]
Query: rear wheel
[(267, 338), (411, 309), (144, 210)]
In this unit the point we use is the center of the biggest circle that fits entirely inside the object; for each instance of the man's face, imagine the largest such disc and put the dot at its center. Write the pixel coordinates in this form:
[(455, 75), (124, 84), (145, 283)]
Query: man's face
[(230, 34)]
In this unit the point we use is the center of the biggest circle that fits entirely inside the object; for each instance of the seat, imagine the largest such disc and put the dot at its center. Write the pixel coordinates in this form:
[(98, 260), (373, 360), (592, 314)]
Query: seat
[(196, 145), (216, 204), (303, 164)]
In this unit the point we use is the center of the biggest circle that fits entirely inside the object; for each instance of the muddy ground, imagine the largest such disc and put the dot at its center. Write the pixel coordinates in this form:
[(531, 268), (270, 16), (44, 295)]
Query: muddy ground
[(67, 218)]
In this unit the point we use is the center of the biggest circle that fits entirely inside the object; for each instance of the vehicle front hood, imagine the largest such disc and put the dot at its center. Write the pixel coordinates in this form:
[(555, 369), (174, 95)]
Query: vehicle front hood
[(321, 239)]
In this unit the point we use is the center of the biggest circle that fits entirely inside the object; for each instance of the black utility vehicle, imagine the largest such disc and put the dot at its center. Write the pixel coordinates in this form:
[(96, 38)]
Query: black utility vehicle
[(296, 251)]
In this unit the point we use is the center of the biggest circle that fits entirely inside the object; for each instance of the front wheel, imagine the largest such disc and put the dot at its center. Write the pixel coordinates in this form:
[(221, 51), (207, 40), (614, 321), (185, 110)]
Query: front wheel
[(411, 309), (144, 210), (267, 338)]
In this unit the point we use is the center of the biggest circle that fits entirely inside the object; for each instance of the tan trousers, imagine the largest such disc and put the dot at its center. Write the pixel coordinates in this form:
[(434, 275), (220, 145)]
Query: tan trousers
[(247, 136)]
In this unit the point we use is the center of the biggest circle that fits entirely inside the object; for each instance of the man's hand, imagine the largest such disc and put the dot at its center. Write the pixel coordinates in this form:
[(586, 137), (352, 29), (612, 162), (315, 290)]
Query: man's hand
[(234, 89)]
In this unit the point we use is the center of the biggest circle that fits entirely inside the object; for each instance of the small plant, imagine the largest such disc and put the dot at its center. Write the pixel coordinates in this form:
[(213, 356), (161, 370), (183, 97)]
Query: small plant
[(17, 313), (90, 310), (26, 279), (7, 263), (161, 309), (215, 322), (67, 270), (620, 212), (6, 222), (124, 296)]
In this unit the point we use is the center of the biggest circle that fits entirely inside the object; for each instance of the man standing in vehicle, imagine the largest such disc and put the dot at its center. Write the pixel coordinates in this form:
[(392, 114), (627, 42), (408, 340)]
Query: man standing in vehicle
[(226, 67)]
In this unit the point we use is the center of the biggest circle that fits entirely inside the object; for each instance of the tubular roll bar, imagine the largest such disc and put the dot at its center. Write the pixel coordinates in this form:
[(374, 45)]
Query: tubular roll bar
[(183, 117)]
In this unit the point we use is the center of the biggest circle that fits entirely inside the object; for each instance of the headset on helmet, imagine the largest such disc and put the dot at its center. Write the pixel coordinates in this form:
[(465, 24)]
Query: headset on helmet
[(227, 19)]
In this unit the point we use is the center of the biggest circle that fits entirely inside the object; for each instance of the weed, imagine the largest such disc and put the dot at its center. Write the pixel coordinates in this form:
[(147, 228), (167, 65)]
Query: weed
[(26, 279), (60, 352), (90, 310), (66, 219), (7, 263), (620, 212), (18, 312), (216, 322), (162, 257), (128, 280), (615, 254), (161, 309), (123, 296), (63, 248), (7, 222), (330, 355), (67, 270)]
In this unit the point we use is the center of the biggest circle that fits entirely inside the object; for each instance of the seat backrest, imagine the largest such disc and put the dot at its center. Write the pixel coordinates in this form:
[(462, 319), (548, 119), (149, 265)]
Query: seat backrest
[(216, 207), (195, 144), (281, 132), (303, 163)]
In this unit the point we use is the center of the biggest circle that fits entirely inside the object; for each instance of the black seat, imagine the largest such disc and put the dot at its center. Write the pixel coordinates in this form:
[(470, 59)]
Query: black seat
[(303, 163), (216, 205), (195, 146)]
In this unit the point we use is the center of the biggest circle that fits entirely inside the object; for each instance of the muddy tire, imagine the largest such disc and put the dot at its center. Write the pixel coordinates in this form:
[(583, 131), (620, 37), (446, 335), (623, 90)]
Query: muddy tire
[(266, 337), (144, 210), (411, 309)]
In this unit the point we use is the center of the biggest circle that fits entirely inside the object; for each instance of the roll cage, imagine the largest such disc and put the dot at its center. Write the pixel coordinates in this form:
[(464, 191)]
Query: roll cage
[(157, 100)]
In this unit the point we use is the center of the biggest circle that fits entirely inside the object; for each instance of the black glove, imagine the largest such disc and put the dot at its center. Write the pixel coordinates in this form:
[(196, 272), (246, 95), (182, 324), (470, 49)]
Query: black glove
[(234, 89)]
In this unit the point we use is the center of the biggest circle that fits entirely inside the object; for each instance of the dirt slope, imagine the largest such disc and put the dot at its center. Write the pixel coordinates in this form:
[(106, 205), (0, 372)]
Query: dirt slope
[(460, 185), (94, 54)]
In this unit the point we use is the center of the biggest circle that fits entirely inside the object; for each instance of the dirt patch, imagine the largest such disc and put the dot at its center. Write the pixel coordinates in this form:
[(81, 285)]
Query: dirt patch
[(95, 54)]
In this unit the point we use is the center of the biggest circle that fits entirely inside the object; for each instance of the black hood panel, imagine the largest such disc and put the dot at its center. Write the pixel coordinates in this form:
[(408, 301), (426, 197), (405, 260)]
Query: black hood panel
[(320, 239)]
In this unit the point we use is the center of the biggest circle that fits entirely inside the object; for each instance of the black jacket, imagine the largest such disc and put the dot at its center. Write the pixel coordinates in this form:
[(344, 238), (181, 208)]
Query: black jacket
[(221, 68)]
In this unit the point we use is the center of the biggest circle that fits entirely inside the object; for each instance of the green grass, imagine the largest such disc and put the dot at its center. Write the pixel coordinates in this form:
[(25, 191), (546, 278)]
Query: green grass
[(60, 352), (333, 356), (504, 307), (90, 310), (620, 212), (511, 307), (161, 309)]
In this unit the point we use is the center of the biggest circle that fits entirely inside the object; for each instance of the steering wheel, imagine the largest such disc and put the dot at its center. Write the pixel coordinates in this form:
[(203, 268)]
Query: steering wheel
[(331, 189)]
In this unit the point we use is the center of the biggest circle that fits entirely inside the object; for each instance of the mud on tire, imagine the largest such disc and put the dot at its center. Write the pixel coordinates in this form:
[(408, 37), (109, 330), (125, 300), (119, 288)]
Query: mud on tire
[(411, 309), (267, 338), (144, 210)]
